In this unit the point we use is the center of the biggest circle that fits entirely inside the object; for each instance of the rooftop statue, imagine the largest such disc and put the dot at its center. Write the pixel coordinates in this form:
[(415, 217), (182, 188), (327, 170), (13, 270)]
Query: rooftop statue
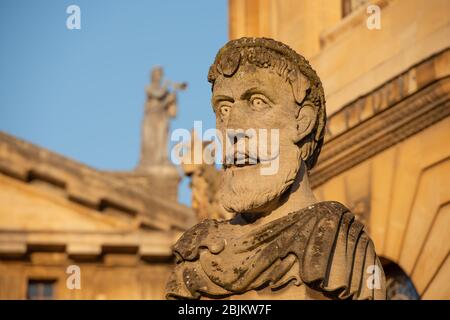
[(160, 107)]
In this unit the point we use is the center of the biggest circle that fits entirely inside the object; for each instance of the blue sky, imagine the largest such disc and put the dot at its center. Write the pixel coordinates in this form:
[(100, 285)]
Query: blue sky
[(81, 92)]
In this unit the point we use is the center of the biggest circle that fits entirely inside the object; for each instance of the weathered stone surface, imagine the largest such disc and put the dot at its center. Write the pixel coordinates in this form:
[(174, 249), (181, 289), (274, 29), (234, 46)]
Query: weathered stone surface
[(321, 246), (281, 242)]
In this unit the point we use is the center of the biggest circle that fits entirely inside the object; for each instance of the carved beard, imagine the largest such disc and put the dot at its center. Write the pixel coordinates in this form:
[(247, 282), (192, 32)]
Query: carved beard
[(245, 189)]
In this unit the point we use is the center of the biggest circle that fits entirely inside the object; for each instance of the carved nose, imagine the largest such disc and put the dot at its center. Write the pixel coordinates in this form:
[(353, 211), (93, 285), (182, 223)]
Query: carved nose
[(238, 119), (237, 135), (240, 146), (234, 135)]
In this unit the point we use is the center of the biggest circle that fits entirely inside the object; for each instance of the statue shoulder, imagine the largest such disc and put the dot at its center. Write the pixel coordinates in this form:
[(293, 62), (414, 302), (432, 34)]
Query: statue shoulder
[(204, 234), (322, 246), (340, 255)]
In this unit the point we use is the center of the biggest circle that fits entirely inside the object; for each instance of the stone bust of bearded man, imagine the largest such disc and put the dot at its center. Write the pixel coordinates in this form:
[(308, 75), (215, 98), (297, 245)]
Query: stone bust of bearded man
[(281, 243)]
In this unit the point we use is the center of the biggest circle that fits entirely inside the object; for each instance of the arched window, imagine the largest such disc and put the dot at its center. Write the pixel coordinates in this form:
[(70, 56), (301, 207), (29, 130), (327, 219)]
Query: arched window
[(398, 284)]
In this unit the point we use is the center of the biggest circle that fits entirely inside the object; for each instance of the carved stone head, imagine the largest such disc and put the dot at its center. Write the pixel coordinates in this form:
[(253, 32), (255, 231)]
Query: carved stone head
[(156, 75), (259, 83)]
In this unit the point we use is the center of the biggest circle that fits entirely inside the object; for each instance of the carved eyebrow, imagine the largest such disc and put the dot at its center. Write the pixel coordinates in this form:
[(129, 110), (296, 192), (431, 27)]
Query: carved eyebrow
[(218, 98), (249, 92)]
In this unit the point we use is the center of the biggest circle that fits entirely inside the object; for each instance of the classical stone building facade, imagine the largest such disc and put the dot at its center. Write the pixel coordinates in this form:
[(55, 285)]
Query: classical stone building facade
[(386, 155), (116, 228)]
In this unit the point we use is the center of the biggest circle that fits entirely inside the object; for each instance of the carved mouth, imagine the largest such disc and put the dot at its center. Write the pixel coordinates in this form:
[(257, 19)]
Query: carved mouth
[(239, 163)]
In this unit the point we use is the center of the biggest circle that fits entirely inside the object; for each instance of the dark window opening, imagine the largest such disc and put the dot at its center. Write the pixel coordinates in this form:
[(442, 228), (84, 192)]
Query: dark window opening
[(398, 284), (41, 289)]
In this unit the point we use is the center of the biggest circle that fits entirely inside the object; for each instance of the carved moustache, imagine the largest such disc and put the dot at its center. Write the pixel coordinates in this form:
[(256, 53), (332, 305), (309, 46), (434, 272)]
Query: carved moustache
[(239, 159)]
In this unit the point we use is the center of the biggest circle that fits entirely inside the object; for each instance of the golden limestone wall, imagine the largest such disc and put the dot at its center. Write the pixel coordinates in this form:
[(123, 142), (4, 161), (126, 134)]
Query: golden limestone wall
[(404, 193), (118, 277), (43, 233), (296, 23), (386, 154)]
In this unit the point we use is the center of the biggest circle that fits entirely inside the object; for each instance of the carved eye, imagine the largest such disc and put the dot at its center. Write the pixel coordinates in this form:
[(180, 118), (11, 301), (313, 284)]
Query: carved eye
[(224, 110), (257, 102)]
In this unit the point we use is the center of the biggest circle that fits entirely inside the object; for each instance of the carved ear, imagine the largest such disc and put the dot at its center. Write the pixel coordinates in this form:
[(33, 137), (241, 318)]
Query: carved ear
[(306, 120), (300, 84)]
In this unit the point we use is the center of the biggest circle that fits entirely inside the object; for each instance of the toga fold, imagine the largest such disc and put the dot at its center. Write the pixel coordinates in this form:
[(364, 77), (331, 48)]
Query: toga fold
[(321, 246)]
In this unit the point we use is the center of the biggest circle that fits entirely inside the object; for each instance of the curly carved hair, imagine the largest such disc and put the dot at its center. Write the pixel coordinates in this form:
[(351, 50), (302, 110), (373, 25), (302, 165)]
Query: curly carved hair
[(269, 53)]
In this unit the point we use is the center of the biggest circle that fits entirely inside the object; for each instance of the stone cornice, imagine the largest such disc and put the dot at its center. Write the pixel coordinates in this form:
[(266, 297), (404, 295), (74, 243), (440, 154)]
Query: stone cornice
[(18, 244), (391, 113), (90, 187)]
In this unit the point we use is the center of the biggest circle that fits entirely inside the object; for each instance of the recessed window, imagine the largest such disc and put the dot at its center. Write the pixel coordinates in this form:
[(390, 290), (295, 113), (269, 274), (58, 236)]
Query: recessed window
[(41, 289)]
